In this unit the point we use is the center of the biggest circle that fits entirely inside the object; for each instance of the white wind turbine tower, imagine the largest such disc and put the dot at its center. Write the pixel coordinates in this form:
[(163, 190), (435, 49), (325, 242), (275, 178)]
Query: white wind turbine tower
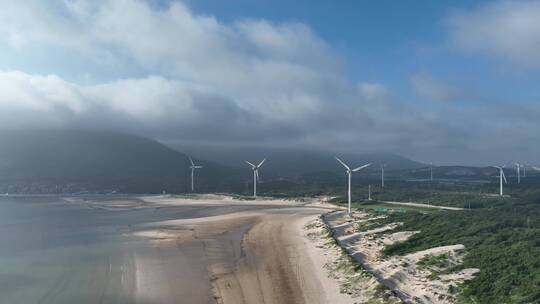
[(431, 171), (349, 173), (518, 167), (501, 178), (255, 175), (382, 175), (193, 167)]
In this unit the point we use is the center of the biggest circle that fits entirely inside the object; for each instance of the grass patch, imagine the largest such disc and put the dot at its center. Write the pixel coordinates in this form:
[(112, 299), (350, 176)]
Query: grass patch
[(430, 261)]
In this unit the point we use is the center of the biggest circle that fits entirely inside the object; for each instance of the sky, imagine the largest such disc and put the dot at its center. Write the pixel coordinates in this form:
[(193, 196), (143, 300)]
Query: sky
[(449, 82)]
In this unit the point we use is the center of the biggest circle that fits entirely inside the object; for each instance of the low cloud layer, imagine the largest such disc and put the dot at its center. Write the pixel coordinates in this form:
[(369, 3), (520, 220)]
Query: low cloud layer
[(211, 81), (168, 73)]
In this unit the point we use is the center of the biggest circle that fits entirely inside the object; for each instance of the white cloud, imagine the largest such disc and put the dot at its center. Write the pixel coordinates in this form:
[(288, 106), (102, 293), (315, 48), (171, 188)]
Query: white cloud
[(508, 29), (152, 105), (38, 93), (283, 74), (373, 91), (274, 69), (191, 77), (433, 89)]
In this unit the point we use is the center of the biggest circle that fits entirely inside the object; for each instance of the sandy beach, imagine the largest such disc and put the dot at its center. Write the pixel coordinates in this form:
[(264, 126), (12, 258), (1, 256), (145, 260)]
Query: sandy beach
[(208, 249), (243, 252)]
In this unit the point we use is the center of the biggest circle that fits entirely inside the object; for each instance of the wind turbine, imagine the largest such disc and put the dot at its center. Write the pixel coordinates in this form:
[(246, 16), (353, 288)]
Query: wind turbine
[(382, 175), (501, 178), (518, 167), (431, 171), (255, 175), (193, 167), (349, 173)]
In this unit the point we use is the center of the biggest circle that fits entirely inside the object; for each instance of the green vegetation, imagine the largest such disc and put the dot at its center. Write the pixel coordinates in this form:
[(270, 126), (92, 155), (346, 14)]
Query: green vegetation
[(430, 261), (375, 206), (436, 264), (366, 225), (501, 235), (503, 242)]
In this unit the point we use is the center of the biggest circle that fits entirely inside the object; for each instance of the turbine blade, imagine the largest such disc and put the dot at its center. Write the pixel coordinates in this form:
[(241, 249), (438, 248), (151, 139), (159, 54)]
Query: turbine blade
[(360, 168), (344, 165), (191, 160), (504, 177), (260, 164), (535, 168), (257, 175), (198, 167), (252, 165)]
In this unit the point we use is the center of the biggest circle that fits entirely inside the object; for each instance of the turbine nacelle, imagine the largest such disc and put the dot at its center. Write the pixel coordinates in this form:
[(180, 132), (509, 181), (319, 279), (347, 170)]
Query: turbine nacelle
[(349, 170), (501, 172), (501, 178), (193, 167), (256, 178), (253, 167), (349, 173), (256, 168)]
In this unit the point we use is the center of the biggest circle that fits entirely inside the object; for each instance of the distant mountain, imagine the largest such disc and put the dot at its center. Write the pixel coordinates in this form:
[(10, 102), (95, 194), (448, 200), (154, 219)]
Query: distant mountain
[(93, 161), (463, 172), (294, 163)]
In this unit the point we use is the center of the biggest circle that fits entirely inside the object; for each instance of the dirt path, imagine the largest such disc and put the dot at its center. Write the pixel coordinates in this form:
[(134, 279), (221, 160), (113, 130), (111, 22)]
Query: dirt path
[(421, 205)]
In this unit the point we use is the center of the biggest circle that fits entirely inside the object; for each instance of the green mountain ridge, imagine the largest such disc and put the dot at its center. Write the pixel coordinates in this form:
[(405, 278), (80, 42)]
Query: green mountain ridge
[(102, 160), (295, 163)]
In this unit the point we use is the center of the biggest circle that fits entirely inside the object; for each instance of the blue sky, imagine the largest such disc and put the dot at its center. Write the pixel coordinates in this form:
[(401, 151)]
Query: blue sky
[(387, 41), (444, 81)]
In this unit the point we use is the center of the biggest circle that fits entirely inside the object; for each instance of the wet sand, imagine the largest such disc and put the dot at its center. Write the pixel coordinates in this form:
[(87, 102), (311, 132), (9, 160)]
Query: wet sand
[(222, 251), (158, 250), (249, 257)]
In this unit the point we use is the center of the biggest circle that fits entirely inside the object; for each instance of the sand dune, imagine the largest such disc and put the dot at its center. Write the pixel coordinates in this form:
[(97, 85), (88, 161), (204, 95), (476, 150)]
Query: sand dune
[(402, 274)]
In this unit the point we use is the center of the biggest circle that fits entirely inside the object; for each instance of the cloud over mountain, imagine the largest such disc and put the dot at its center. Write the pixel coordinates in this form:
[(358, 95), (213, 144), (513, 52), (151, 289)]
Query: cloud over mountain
[(164, 71)]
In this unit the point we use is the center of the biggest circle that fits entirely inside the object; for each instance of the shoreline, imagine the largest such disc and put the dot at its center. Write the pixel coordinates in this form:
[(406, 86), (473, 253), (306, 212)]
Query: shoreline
[(255, 256), (221, 249)]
